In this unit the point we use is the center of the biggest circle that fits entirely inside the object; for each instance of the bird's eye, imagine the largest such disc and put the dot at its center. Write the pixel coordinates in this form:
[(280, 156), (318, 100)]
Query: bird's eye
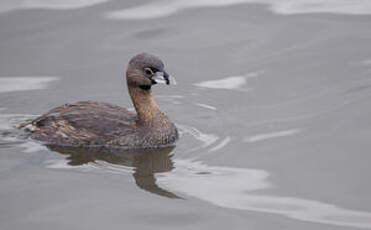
[(148, 71)]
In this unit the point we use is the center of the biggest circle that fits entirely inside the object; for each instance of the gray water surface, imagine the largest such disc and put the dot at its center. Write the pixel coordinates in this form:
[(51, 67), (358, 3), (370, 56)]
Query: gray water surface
[(272, 103)]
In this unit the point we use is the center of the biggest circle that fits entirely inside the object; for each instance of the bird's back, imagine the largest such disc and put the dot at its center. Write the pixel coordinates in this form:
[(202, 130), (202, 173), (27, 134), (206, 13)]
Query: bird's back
[(84, 123)]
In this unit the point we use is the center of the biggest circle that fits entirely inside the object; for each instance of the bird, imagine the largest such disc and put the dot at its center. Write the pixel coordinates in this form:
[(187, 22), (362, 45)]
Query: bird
[(89, 123)]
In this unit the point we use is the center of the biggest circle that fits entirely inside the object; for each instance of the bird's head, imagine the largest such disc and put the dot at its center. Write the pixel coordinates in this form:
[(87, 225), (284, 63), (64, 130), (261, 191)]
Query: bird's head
[(145, 70)]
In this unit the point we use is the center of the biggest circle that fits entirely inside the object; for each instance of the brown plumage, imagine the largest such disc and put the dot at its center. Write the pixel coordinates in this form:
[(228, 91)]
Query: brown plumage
[(102, 124)]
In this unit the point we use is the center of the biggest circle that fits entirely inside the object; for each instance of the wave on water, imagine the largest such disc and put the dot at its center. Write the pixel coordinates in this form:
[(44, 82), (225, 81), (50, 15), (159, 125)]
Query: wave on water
[(227, 187), (234, 82), (366, 62), (266, 136), (9, 5), (98, 166), (11, 84), (10, 121), (237, 188), (174, 99), (206, 106), (163, 8), (234, 188), (231, 82), (10, 136), (221, 144), (205, 138)]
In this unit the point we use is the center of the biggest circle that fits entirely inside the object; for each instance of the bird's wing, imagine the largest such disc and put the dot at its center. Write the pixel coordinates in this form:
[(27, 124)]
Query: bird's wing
[(87, 123)]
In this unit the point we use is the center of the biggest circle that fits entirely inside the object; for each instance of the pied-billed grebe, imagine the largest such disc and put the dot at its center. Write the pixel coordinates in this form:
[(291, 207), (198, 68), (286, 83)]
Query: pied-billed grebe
[(102, 124)]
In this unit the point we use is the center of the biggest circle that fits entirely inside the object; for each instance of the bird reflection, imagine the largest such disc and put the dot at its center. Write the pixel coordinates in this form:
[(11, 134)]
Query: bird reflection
[(146, 163)]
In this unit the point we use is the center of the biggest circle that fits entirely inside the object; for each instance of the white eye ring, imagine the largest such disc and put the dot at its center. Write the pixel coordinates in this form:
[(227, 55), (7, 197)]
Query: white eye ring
[(148, 71)]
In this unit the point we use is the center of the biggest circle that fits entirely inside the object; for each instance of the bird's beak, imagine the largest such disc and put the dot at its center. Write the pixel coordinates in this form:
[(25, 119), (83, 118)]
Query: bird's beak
[(161, 77)]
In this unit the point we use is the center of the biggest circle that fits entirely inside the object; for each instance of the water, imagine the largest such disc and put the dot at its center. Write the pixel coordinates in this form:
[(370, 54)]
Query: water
[(163, 8), (272, 103)]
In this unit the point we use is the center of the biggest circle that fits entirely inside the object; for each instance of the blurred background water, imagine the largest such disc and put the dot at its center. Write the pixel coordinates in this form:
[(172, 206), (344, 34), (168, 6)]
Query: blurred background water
[(272, 102)]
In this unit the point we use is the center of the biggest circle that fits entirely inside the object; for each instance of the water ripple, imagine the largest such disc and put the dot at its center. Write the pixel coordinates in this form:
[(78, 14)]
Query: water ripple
[(163, 8), (233, 82), (206, 106), (206, 139), (227, 187), (266, 136), (47, 4), (11, 84), (236, 188), (221, 145)]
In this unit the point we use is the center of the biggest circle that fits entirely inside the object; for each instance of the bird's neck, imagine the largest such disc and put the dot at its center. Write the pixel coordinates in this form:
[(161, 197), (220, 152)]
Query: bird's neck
[(147, 109)]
